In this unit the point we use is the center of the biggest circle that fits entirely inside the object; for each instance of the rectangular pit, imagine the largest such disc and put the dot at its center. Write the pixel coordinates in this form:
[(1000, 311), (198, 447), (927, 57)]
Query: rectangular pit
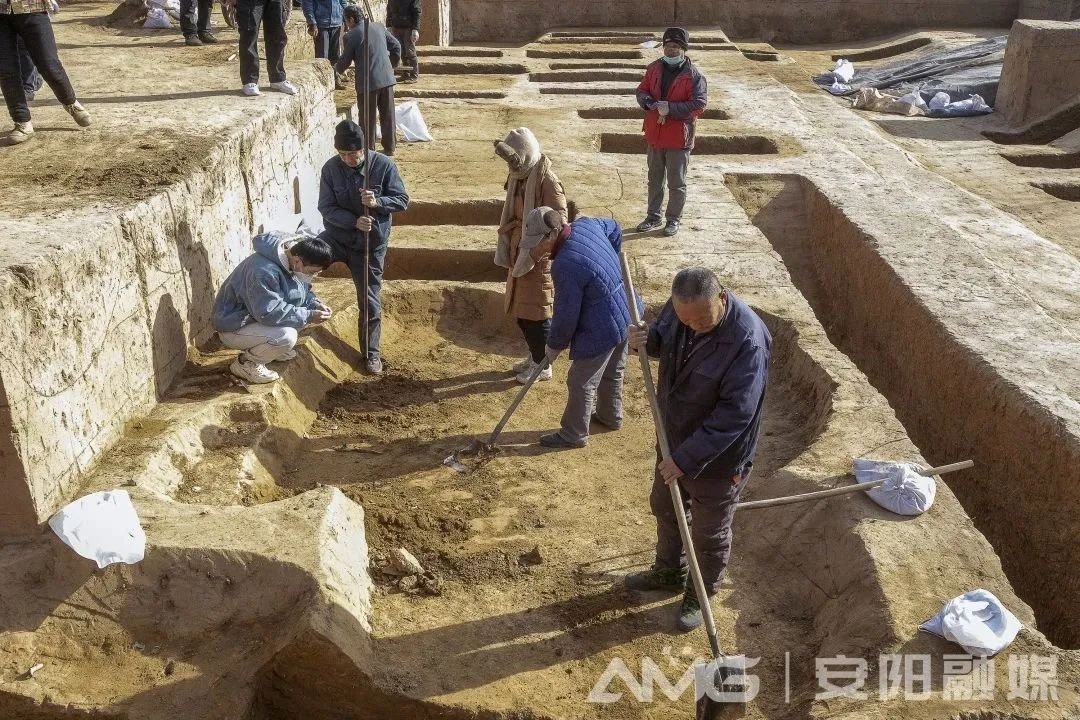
[(1061, 190), (587, 90), (634, 144), (927, 374), (459, 52), (440, 67), (585, 54), (636, 113), (597, 65), (582, 76), (425, 94), (1050, 161)]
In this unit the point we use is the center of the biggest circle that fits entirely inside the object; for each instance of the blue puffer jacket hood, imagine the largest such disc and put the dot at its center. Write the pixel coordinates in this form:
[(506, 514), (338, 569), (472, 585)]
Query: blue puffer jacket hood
[(262, 289), (591, 316)]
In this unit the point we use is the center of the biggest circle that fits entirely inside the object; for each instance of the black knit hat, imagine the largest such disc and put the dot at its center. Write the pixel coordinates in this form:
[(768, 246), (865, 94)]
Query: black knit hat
[(677, 35), (348, 136)]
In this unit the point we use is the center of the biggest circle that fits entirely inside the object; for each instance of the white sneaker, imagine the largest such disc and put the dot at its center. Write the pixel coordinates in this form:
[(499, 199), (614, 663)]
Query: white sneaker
[(78, 113), (284, 87), (253, 372), (252, 89), (21, 133), (524, 375), (523, 365)]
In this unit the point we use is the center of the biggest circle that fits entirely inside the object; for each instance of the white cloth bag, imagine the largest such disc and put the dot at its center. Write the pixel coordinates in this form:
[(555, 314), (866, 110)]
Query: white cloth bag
[(906, 491), (977, 622), (103, 527)]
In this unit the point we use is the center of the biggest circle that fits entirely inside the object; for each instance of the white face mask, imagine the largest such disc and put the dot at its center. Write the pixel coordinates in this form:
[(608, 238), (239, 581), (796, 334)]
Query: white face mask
[(303, 277)]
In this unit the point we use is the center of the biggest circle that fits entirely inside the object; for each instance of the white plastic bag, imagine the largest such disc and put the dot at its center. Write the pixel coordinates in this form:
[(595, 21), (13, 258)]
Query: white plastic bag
[(977, 621), (649, 44), (411, 123), (906, 491), (844, 71), (103, 527), (157, 19)]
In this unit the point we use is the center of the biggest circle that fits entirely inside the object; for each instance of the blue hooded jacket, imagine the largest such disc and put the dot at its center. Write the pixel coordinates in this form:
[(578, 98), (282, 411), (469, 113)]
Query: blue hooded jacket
[(324, 14), (262, 289), (591, 316)]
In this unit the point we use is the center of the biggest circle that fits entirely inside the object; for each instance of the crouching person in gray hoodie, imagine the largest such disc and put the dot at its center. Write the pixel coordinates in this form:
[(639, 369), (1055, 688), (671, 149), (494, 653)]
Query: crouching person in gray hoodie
[(267, 300)]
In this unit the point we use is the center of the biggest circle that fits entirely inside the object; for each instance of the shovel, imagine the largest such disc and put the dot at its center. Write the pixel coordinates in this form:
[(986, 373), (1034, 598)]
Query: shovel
[(485, 450), (707, 707)]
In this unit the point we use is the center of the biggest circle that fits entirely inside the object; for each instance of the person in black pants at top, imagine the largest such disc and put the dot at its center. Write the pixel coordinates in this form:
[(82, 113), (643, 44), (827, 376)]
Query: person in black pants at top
[(270, 15), (358, 223), (195, 22), (403, 19), (28, 21), (383, 55)]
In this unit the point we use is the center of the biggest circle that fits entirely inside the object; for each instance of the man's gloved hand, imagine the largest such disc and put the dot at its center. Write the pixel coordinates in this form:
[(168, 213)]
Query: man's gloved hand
[(415, 35), (551, 354), (638, 336)]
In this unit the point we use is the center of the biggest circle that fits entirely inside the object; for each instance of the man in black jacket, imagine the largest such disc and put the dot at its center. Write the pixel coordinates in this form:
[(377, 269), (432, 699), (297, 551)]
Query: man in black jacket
[(358, 223), (403, 19), (383, 54), (714, 362)]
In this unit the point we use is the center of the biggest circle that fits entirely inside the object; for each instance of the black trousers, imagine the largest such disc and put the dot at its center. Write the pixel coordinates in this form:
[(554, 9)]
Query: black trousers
[(408, 51), (328, 44), (353, 256), (536, 335), (195, 16), (382, 101), (250, 15), (35, 30)]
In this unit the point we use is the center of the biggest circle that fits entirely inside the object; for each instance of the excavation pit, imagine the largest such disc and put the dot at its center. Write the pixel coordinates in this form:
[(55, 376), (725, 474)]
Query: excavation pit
[(580, 76), (587, 90), (1050, 161), (598, 65), (427, 94), (1060, 190), (462, 52), (926, 374), (636, 113), (883, 51), (471, 68), (593, 40), (451, 212), (634, 144), (585, 54)]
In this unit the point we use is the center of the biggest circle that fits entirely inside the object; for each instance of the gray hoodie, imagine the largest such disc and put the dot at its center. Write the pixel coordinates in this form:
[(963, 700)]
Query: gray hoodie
[(262, 289)]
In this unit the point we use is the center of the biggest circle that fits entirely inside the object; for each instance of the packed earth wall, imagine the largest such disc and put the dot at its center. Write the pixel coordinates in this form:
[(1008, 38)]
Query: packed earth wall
[(801, 21), (96, 319)]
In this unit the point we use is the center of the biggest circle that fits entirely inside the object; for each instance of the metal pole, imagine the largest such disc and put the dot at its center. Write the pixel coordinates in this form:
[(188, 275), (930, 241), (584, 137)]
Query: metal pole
[(368, 131)]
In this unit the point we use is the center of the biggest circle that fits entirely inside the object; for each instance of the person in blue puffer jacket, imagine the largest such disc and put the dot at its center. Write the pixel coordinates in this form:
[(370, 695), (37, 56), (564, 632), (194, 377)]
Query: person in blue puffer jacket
[(267, 300), (590, 317)]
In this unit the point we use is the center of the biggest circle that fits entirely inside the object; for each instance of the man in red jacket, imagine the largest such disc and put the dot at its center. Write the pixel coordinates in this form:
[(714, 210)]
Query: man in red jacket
[(673, 94)]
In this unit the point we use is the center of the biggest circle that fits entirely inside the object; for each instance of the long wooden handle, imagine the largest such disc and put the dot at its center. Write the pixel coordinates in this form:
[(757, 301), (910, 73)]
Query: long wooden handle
[(806, 497), (665, 453), (517, 401), (364, 341)]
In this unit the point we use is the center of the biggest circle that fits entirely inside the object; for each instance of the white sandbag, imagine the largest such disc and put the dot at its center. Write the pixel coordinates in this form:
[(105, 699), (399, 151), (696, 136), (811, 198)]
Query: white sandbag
[(905, 491), (157, 19), (411, 123), (649, 44), (977, 622), (103, 527)]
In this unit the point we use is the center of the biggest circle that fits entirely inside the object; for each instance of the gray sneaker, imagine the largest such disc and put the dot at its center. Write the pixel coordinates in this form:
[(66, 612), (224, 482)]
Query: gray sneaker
[(374, 365), (672, 580), (20, 134), (689, 612), (78, 113)]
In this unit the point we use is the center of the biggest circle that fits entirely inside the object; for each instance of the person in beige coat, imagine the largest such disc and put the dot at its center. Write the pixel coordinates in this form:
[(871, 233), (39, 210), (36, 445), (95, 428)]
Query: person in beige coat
[(529, 290)]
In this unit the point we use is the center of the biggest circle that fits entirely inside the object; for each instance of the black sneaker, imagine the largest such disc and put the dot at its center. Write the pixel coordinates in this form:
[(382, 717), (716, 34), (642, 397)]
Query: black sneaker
[(374, 365), (689, 612), (556, 441), (208, 38), (649, 223), (671, 228), (671, 580), (192, 41)]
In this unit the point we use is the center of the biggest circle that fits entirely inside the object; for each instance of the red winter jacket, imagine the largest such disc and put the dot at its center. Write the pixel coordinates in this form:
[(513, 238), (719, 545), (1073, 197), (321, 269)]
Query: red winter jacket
[(687, 98)]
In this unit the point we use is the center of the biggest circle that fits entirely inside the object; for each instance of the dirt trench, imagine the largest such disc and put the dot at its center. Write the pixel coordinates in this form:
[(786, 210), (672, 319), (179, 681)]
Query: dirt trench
[(1021, 493)]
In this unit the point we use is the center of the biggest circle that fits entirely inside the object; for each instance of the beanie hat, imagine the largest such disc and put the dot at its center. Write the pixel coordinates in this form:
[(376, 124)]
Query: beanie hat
[(348, 136), (678, 36)]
